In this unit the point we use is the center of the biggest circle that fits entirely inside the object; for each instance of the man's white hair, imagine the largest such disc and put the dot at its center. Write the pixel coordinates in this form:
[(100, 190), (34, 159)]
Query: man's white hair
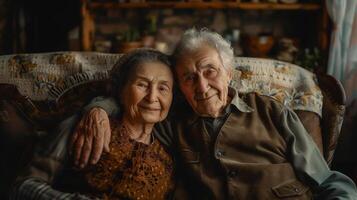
[(193, 39)]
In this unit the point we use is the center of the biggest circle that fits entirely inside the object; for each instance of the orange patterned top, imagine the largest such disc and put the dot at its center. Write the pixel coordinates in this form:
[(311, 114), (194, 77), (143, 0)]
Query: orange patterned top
[(131, 170)]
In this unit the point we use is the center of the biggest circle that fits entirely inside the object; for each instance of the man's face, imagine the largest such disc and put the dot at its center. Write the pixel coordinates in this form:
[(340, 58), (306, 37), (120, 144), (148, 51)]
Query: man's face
[(204, 81)]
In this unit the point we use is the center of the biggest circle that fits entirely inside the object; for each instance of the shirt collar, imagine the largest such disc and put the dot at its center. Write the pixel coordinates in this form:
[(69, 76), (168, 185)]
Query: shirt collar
[(236, 102)]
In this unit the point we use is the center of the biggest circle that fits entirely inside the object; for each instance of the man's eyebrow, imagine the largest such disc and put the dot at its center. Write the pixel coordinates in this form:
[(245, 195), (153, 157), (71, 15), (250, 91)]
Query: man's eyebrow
[(204, 62), (187, 73), (208, 65)]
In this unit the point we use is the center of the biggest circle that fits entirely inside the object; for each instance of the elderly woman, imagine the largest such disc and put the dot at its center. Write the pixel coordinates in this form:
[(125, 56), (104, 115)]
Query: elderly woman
[(138, 166)]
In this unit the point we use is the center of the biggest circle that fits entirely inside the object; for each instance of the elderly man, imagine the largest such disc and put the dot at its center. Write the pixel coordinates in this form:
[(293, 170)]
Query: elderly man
[(227, 148)]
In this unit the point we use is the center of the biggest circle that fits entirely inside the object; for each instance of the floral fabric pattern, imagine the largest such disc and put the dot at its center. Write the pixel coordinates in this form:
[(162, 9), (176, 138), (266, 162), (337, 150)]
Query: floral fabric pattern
[(46, 76), (290, 84)]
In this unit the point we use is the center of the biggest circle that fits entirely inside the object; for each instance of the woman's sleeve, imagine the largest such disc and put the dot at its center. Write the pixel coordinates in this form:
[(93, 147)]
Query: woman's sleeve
[(35, 181), (309, 164)]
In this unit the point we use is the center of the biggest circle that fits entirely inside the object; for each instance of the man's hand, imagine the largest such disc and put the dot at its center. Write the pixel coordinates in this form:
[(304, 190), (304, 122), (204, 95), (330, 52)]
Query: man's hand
[(90, 137)]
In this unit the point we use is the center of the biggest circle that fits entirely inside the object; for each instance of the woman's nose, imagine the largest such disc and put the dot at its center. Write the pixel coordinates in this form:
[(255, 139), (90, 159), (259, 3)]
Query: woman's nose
[(152, 95)]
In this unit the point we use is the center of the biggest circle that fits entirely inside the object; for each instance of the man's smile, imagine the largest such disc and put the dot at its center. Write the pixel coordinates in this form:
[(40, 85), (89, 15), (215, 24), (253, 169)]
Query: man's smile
[(205, 98)]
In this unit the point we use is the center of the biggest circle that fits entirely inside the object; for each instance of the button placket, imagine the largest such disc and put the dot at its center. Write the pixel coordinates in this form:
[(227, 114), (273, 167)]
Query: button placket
[(232, 173), (219, 153)]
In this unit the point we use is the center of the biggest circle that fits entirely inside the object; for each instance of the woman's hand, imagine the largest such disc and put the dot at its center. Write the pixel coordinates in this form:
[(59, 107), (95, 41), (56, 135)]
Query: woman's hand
[(90, 138)]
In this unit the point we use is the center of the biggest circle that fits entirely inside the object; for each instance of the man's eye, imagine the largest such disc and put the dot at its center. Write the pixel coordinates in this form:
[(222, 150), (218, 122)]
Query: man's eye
[(189, 78), (210, 72)]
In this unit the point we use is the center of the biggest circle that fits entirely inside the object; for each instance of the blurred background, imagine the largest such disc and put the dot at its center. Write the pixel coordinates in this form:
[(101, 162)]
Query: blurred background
[(296, 31)]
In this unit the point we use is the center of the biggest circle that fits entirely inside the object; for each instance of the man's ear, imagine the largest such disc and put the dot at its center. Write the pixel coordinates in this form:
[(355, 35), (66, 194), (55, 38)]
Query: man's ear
[(230, 73)]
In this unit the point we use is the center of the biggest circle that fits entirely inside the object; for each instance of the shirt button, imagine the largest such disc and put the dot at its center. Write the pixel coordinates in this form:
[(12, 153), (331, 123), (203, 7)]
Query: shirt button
[(296, 190), (219, 153), (232, 173)]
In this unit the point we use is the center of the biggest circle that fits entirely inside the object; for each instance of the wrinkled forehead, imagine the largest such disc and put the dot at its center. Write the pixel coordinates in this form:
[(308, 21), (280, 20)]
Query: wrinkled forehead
[(153, 71), (198, 56)]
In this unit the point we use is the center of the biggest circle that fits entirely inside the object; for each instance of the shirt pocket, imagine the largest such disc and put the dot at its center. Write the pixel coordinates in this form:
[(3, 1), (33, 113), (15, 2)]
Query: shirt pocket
[(293, 188), (189, 156)]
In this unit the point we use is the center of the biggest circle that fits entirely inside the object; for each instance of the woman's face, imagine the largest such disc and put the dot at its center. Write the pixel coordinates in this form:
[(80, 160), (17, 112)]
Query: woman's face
[(147, 96)]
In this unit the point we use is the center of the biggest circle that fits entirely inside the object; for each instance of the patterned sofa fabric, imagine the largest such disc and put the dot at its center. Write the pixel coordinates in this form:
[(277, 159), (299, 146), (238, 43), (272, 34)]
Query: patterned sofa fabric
[(290, 84), (47, 76), (44, 77)]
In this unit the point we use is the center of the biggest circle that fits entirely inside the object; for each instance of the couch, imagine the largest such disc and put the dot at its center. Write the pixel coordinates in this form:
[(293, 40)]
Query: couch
[(39, 90)]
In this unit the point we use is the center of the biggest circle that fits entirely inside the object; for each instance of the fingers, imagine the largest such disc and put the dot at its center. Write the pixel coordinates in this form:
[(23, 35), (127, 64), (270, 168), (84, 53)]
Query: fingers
[(72, 140), (77, 141), (77, 150), (100, 132), (107, 136), (98, 143), (86, 149), (91, 137)]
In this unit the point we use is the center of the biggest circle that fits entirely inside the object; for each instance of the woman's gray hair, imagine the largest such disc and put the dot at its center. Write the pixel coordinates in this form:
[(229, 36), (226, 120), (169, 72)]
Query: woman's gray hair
[(194, 39)]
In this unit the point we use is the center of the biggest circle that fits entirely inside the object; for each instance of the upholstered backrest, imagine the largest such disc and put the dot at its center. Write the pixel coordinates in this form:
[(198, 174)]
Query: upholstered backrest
[(46, 87), (47, 76), (290, 84)]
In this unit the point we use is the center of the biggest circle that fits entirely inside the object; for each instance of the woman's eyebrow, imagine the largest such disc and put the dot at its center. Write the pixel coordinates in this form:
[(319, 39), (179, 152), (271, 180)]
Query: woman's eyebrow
[(142, 77), (149, 80)]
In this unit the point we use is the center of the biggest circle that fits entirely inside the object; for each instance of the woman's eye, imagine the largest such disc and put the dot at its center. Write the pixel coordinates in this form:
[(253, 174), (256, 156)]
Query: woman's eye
[(143, 85)]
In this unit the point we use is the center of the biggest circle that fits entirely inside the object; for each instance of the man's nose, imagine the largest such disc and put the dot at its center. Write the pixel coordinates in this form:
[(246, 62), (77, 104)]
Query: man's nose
[(202, 85)]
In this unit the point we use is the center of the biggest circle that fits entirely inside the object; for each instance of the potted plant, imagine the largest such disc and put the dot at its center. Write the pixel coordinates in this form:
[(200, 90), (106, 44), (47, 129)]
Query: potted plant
[(148, 39), (309, 58), (130, 40)]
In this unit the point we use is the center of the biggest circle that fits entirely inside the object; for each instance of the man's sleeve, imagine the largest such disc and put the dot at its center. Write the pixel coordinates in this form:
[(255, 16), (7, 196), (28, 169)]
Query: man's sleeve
[(35, 181), (309, 164), (106, 103)]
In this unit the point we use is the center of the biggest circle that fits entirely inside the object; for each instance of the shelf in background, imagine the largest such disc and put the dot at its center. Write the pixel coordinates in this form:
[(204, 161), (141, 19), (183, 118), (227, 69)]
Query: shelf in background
[(206, 5)]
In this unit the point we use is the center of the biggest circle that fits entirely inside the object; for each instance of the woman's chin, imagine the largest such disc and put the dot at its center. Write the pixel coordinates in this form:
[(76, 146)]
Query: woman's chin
[(150, 119)]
